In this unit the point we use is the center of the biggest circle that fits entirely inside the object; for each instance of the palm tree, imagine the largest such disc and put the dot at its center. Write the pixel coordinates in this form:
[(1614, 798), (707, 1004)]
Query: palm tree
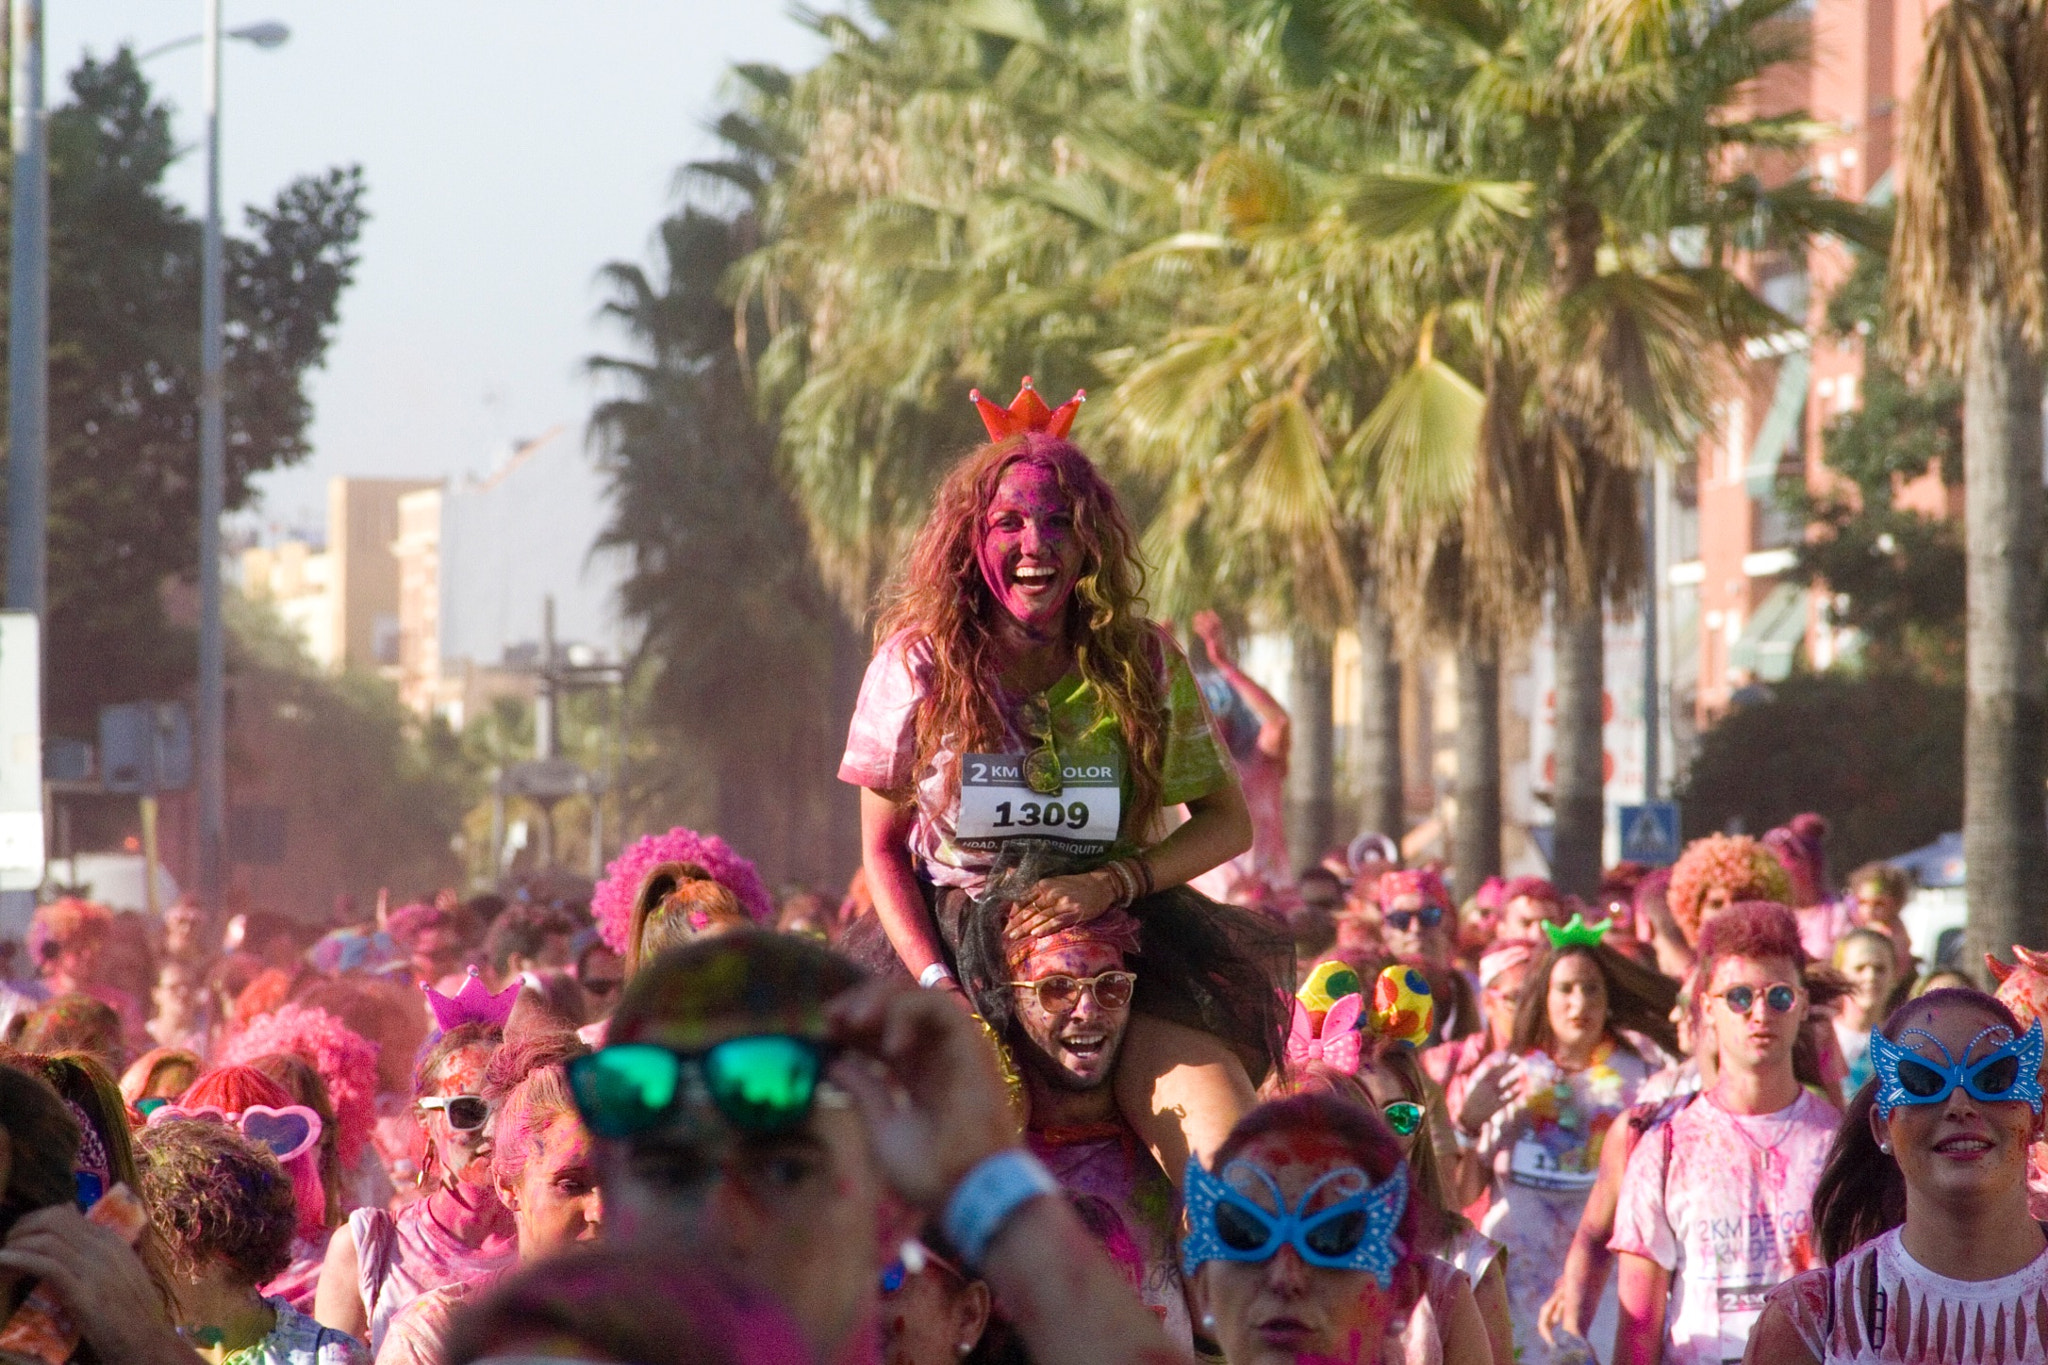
[(1624, 119), (743, 657), (1968, 292)]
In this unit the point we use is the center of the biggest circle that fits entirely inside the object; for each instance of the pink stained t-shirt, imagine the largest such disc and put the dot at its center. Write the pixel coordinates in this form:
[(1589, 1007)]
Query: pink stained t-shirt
[(1725, 1203), (881, 748)]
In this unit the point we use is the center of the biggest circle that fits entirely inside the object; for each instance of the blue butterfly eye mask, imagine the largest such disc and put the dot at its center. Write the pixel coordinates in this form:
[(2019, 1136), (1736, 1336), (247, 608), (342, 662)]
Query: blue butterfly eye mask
[(2009, 1074), (1354, 1233)]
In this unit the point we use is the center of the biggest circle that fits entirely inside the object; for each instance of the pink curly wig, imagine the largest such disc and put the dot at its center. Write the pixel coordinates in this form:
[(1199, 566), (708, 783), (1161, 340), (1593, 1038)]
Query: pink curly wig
[(1737, 863), (611, 904), (343, 1057)]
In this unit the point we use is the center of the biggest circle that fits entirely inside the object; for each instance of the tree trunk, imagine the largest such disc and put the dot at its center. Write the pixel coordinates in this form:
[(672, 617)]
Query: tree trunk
[(2005, 827), (1475, 836), (1581, 811), (1311, 764), (1381, 800)]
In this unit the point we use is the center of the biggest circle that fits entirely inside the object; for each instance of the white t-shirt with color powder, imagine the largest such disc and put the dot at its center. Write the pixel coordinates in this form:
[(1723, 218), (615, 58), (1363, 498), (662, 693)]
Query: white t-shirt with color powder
[(1724, 1202)]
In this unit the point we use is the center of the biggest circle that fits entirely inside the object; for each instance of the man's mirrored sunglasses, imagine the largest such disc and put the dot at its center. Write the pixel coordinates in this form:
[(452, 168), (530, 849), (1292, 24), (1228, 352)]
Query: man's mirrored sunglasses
[(762, 1085)]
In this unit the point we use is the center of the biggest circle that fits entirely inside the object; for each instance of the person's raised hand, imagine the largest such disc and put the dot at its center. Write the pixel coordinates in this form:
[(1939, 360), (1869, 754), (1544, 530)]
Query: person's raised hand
[(924, 1079), (1497, 1084), (1061, 903), (1209, 626), (100, 1281)]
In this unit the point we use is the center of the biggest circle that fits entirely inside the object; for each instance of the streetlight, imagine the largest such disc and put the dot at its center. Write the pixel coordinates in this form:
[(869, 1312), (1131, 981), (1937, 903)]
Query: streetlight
[(269, 33), (212, 726)]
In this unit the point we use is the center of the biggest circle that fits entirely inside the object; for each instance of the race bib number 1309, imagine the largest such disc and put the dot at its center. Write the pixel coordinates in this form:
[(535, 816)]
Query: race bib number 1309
[(997, 805)]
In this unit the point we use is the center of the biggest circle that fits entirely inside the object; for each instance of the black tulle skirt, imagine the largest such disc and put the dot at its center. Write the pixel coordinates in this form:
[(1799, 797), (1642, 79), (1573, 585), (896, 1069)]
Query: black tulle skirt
[(1218, 968)]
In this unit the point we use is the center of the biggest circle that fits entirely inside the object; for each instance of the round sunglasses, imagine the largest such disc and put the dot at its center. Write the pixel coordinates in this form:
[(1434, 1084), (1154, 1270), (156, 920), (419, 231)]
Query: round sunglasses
[(1059, 993), (762, 1084), (1779, 999)]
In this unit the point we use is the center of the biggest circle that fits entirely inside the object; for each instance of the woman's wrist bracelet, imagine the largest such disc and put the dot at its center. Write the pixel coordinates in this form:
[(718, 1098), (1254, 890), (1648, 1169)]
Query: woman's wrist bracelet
[(989, 1196), (936, 974)]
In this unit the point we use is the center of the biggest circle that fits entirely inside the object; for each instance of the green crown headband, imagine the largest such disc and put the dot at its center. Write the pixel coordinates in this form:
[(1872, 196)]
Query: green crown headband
[(1576, 933)]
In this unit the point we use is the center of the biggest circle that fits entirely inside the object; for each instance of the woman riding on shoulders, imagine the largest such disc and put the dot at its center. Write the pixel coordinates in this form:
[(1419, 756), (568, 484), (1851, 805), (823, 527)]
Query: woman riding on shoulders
[(1021, 707)]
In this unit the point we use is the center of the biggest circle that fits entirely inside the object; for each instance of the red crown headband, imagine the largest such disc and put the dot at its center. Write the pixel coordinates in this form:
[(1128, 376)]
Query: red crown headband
[(1027, 412)]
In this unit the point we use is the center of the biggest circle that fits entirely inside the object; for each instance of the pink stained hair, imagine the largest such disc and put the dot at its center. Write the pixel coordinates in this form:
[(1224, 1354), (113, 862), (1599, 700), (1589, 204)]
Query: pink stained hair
[(232, 1089)]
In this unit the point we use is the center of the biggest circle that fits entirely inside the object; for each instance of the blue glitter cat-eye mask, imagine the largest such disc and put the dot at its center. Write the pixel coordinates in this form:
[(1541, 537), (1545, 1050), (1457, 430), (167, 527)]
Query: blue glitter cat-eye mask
[(1355, 1233), (2010, 1074)]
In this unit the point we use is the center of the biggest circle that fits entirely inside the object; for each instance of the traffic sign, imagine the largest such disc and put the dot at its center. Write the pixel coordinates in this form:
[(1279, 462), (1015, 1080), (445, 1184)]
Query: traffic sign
[(145, 747), (1649, 833)]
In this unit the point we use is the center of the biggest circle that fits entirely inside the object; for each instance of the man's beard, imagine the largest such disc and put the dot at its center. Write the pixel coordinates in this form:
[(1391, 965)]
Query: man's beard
[(1049, 1070)]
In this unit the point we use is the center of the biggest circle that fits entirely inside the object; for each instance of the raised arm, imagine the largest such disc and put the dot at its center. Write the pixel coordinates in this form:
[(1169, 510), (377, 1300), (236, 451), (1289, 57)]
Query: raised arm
[(925, 1081), (1276, 728)]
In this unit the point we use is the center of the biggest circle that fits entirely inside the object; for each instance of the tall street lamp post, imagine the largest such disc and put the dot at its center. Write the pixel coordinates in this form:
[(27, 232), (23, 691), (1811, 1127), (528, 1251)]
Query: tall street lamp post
[(212, 727), (28, 317)]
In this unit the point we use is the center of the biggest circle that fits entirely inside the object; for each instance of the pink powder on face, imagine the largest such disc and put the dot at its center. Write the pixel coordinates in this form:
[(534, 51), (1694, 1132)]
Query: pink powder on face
[(1029, 523)]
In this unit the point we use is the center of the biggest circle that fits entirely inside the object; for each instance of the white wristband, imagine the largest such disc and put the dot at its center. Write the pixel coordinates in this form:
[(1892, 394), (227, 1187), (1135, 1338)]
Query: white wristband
[(989, 1196), (934, 974)]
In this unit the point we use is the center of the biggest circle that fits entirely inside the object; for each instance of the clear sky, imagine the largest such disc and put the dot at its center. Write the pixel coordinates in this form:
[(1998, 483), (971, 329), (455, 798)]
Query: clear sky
[(511, 148)]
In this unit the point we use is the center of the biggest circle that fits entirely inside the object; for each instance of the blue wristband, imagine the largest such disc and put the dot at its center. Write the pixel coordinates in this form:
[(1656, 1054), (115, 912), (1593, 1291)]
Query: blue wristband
[(989, 1196)]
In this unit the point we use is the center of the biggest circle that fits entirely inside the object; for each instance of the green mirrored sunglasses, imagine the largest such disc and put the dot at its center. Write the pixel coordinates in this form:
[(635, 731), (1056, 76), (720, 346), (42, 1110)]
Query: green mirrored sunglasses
[(1403, 1116), (762, 1085)]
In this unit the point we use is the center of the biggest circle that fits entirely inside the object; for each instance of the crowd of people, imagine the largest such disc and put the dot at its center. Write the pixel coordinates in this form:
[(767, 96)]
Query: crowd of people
[(1080, 1069)]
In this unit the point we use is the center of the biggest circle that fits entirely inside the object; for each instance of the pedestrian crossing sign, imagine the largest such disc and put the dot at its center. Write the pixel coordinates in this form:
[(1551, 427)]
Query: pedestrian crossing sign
[(1649, 833)]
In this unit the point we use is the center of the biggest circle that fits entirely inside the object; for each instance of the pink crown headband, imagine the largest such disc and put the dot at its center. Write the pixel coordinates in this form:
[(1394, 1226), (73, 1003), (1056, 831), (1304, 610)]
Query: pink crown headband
[(473, 1004)]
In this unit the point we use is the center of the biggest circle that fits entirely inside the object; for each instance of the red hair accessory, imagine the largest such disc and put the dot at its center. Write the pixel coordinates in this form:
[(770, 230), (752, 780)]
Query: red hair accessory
[(1027, 412), (1419, 881), (473, 1004)]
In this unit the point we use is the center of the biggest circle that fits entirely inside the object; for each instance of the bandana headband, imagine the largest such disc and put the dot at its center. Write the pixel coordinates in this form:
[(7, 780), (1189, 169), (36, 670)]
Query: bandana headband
[(1117, 929)]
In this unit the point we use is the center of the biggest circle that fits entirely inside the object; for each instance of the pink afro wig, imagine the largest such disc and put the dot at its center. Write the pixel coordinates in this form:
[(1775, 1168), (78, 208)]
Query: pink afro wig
[(1737, 863), (344, 1058), (611, 904)]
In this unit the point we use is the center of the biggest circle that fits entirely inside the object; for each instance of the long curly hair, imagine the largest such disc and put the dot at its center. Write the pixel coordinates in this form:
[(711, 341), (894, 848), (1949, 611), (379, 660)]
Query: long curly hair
[(941, 600)]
